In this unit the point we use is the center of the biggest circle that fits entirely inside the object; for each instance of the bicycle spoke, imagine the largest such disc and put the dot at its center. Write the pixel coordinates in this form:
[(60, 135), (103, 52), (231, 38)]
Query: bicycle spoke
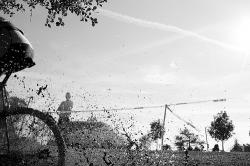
[(31, 141)]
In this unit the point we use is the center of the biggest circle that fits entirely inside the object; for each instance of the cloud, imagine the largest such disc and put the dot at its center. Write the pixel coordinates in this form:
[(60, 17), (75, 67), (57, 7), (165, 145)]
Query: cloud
[(165, 27)]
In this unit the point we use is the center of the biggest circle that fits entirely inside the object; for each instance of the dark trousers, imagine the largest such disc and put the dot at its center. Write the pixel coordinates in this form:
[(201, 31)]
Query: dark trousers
[(63, 120), (62, 124)]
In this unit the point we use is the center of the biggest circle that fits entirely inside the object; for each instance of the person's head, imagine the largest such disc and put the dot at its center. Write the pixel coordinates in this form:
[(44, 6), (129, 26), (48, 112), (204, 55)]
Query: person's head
[(67, 96)]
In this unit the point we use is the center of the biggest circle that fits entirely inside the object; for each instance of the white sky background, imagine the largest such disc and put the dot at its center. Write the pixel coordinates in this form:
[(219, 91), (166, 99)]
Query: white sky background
[(144, 53)]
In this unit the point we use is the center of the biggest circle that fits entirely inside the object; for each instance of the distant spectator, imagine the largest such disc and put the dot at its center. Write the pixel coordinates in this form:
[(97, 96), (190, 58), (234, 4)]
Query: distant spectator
[(65, 109)]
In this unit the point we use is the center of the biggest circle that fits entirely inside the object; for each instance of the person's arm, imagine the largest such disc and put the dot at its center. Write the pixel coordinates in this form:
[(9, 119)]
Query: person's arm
[(60, 107)]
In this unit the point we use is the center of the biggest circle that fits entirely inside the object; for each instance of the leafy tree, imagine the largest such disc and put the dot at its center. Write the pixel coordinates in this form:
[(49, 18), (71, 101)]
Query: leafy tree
[(56, 9), (236, 147), (187, 137), (179, 142), (156, 130), (221, 128), (145, 141)]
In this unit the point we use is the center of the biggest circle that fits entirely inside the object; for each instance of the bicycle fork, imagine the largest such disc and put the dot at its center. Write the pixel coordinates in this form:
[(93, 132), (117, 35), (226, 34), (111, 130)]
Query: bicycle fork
[(3, 120)]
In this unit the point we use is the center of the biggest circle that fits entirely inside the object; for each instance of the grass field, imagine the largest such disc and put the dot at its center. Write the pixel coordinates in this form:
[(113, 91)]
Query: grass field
[(148, 158), (112, 157)]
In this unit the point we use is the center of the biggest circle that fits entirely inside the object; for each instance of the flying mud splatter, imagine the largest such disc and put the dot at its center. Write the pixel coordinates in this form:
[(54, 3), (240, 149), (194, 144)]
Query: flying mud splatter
[(41, 89)]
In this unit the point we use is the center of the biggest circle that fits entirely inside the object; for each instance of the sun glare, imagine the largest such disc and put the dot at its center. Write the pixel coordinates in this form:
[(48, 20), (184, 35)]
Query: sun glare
[(241, 33)]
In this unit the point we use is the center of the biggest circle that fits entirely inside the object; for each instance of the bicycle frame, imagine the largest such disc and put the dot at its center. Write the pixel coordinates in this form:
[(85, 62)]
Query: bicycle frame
[(4, 107)]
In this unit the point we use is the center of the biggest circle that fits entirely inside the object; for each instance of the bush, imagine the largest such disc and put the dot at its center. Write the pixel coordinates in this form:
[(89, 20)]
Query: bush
[(246, 147), (166, 147), (190, 148), (197, 148), (216, 148), (236, 147)]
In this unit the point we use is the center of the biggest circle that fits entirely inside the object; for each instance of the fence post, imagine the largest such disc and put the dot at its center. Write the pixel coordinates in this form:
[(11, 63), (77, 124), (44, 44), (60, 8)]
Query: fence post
[(163, 126), (206, 138)]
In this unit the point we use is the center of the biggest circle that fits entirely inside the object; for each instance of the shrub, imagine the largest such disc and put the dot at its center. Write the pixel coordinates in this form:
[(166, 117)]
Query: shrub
[(166, 147), (216, 148), (246, 147), (197, 148), (236, 147)]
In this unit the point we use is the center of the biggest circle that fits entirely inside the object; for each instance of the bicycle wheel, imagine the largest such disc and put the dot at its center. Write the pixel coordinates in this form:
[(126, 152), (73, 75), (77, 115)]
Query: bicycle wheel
[(33, 139)]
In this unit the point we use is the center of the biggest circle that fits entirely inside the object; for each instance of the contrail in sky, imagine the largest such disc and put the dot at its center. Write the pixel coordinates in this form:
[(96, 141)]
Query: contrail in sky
[(165, 27)]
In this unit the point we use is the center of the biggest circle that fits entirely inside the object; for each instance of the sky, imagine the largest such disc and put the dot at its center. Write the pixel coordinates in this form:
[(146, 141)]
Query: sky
[(146, 53)]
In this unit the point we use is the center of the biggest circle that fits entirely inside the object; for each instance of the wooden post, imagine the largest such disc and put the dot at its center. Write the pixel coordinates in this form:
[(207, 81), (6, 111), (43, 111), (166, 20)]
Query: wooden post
[(206, 137), (163, 125)]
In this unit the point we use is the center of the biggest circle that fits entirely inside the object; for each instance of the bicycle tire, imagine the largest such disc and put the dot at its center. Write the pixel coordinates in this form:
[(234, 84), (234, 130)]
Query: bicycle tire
[(49, 121)]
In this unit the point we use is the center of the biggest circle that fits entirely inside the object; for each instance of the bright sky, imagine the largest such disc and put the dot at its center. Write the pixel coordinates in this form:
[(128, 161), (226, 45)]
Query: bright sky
[(144, 53)]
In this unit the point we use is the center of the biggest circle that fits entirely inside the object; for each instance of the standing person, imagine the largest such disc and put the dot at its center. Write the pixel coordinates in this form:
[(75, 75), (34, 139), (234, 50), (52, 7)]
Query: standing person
[(65, 108)]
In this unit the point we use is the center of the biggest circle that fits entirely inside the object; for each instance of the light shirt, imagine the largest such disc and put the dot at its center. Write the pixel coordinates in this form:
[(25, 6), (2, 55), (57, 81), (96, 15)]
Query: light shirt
[(65, 106)]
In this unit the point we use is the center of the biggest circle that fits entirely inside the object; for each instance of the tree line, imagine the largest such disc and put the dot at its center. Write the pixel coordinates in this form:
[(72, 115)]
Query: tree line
[(221, 129)]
